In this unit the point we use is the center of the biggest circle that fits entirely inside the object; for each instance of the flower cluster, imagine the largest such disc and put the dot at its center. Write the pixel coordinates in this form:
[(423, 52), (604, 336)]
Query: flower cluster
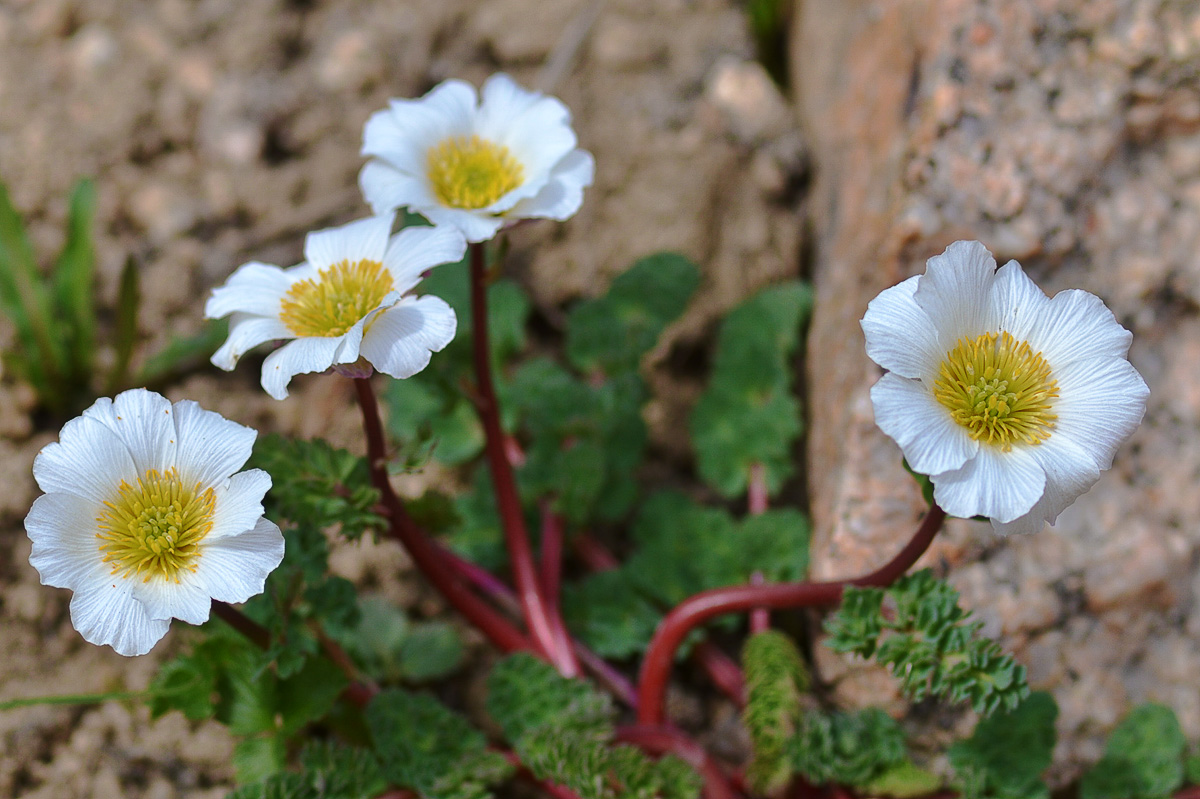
[(470, 167), (1011, 401)]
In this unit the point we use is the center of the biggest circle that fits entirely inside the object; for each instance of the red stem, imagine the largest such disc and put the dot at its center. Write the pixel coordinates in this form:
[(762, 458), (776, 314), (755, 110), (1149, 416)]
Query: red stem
[(593, 554), (696, 610), (757, 500), (498, 629), (617, 683), (516, 537), (551, 581), (659, 740)]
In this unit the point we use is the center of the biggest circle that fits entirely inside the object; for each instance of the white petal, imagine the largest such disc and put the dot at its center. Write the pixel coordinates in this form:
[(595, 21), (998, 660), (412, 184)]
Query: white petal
[(143, 421), (386, 188), (536, 129), (245, 333), (211, 447), (415, 249), (89, 460), (900, 336), (362, 240), (239, 506), (63, 530), (255, 288), (955, 291), (297, 357), (402, 147), (166, 599), (1070, 472), (476, 226), (1076, 325), (401, 340), (907, 412), (447, 110), (234, 569), (108, 614), (1101, 402), (561, 197), (1017, 302), (999, 485)]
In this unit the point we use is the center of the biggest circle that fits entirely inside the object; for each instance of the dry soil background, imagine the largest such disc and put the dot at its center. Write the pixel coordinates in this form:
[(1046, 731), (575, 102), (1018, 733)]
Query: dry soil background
[(1065, 133)]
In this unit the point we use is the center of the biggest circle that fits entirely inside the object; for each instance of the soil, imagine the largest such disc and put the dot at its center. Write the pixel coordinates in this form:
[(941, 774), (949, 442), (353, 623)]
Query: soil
[(220, 131)]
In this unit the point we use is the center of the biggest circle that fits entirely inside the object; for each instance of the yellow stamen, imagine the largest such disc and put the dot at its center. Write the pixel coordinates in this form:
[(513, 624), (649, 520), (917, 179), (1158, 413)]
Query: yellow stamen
[(333, 302), (470, 172), (154, 529), (999, 389)]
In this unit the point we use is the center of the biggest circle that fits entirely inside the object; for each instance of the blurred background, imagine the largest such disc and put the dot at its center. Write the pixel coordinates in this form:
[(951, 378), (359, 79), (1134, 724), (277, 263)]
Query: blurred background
[(844, 141)]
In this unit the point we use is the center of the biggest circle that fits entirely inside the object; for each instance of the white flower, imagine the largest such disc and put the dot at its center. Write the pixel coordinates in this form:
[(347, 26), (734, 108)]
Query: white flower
[(145, 520), (475, 165), (345, 302), (1011, 401)]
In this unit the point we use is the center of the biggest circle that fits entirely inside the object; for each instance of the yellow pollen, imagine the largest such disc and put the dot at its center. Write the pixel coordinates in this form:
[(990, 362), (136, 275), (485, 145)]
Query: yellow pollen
[(999, 389), (470, 172), (154, 529), (333, 302)]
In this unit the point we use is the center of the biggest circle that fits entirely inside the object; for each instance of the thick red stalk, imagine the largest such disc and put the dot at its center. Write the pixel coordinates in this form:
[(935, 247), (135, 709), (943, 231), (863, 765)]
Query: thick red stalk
[(696, 610), (516, 537), (498, 629)]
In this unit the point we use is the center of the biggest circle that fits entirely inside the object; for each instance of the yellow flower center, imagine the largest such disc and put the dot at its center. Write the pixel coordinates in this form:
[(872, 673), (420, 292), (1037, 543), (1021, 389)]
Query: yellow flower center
[(155, 527), (999, 389), (333, 302), (470, 172)]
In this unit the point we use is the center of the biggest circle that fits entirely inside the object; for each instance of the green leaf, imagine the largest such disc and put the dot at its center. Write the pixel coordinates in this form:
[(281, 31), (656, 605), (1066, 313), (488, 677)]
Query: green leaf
[(929, 642), (847, 748), (74, 283), (330, 771), (776, 678), (525, 693), (432, 650), (748, 416), (25, 299), (309, 694), (903, 780), (1007, 753), (1144, 758), (257, 758), (424, 414), (611, 333), (609, 614), (125, 336), (424, 745), (774, 543)]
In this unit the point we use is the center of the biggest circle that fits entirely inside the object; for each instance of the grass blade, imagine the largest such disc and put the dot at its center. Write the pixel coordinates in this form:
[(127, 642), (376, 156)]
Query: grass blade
[(74, 281)]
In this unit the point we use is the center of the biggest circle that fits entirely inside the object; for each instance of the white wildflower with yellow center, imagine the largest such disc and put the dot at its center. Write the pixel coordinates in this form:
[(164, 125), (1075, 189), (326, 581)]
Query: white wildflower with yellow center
[(477, 164), (146, 518), (1011, 401), (347, 305)]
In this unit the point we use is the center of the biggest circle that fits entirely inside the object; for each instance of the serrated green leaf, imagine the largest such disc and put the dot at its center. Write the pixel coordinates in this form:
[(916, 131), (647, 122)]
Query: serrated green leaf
[(775, 544), (928, 642), (525, 693), (1006, 755), (309, 694), (1144, 758), (330, 771), (905, 780), (256, 759), (611, 333), (847, 748), (748, 416), (431, 651), (424, 745), (609, 614), (776, 678)]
